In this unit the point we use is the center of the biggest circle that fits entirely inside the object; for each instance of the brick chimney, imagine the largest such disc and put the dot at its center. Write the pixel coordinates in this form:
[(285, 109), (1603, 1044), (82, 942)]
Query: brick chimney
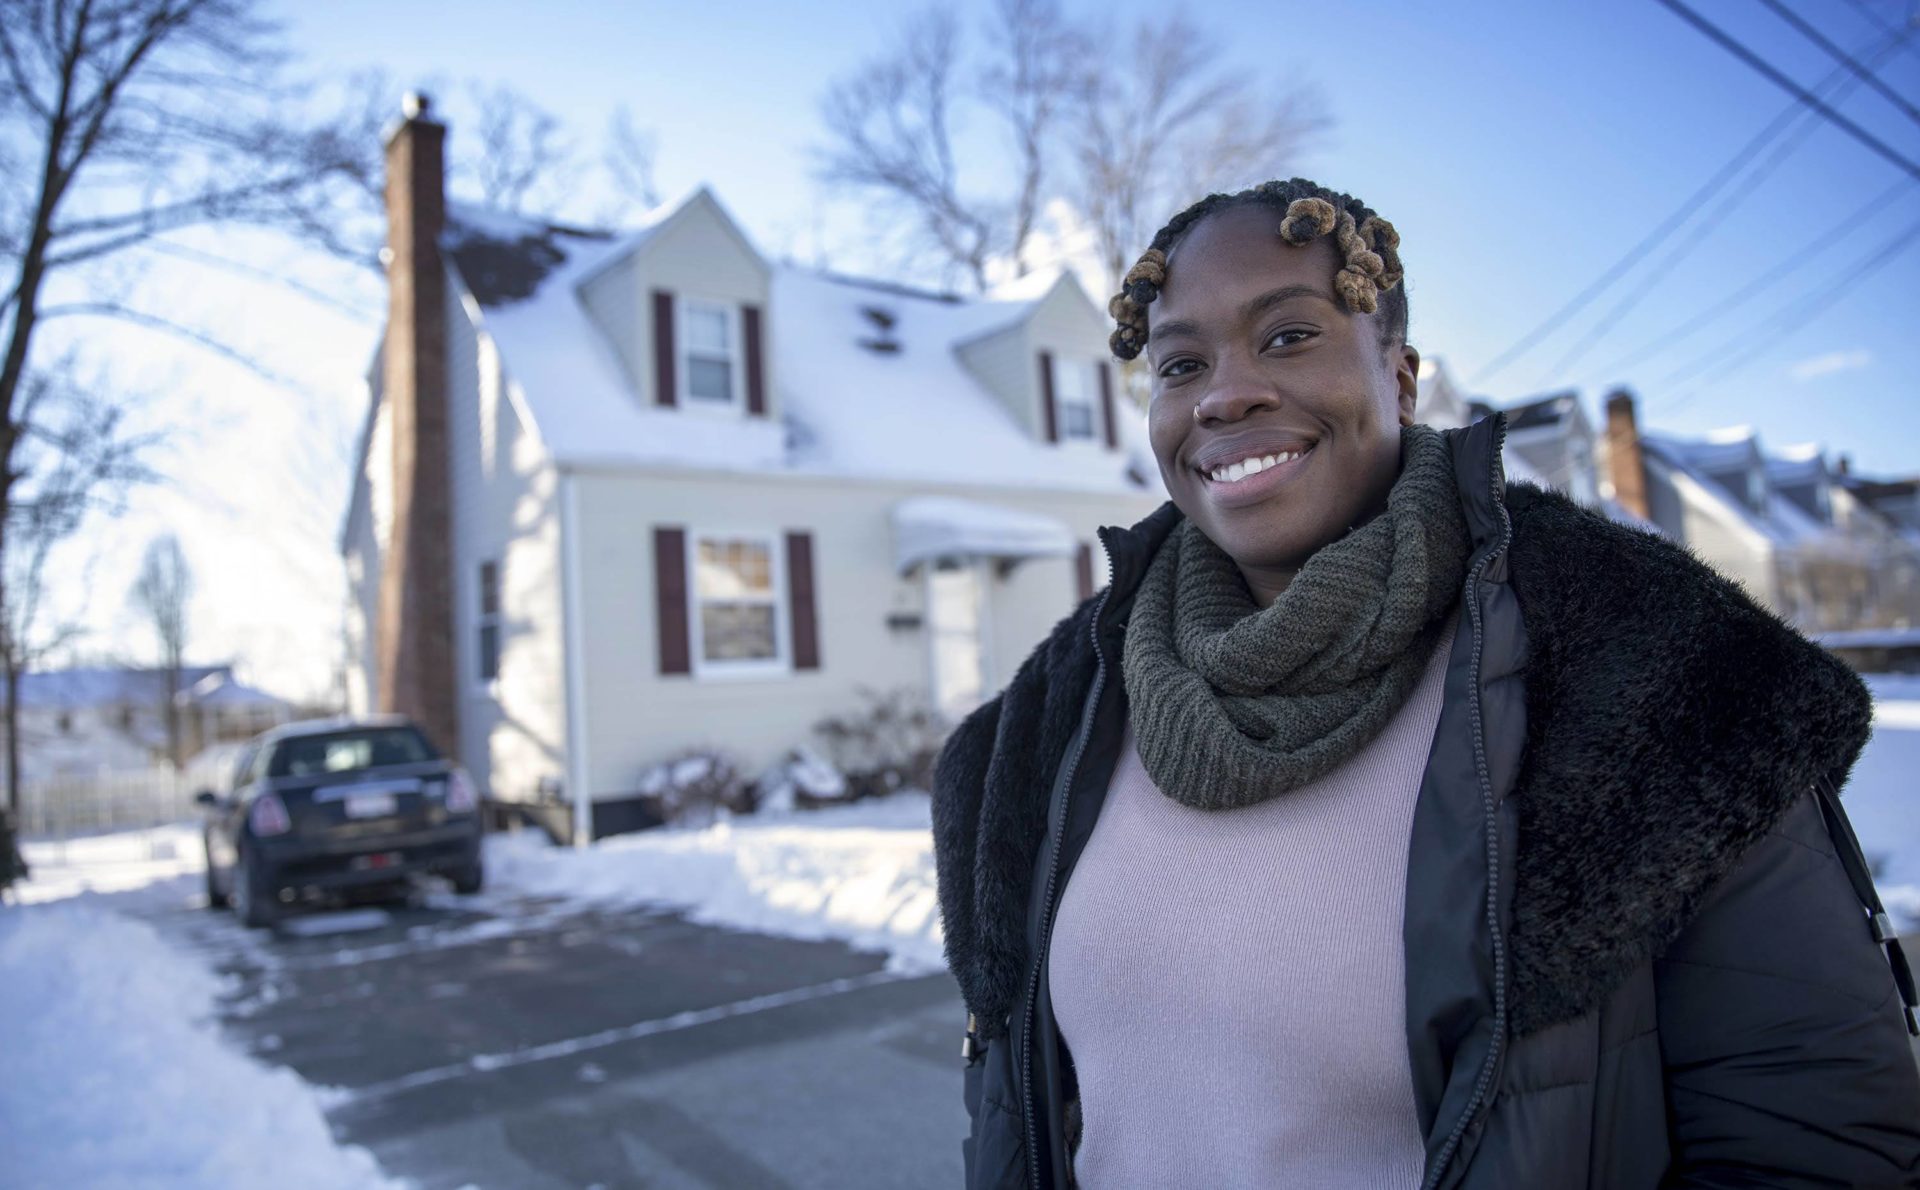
[(414, 634), (1625, 466)]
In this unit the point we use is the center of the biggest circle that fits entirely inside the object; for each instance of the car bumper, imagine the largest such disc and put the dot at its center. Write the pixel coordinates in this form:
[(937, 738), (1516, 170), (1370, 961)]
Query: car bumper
[(442, 850)]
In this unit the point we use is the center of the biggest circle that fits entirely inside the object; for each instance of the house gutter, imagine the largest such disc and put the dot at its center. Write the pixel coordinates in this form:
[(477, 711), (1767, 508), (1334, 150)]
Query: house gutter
[(574, 653)]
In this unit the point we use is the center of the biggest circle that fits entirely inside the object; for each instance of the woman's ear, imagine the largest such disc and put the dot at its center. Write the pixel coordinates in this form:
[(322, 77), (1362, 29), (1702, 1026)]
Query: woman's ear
[(1406, 376)]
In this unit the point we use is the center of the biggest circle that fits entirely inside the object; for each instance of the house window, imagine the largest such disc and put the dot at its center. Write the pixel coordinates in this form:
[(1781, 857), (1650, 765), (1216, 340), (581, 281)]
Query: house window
[(1073, 397), (739, 614), (489, 621), (707, 355), (64, 723)]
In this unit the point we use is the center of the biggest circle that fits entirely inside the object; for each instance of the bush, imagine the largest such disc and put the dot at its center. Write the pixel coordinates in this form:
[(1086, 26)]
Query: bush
[(695, 786), (802, 779), (888, 745)]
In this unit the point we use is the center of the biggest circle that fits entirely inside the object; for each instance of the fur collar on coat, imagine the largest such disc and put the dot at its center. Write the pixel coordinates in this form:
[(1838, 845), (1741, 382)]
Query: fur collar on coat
[(1671, 721)]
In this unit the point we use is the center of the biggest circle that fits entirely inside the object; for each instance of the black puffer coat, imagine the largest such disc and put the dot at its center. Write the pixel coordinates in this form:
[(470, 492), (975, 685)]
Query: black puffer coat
[(1640, 946)]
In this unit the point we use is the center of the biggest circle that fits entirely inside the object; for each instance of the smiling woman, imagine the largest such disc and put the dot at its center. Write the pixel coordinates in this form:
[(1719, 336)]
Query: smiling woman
[(1438, 830)]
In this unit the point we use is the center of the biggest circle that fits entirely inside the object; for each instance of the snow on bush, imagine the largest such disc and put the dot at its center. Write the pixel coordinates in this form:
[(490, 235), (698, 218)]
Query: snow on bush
[(696, 787), (115, 1075), (888, 745), (860, 873), (801, 779)]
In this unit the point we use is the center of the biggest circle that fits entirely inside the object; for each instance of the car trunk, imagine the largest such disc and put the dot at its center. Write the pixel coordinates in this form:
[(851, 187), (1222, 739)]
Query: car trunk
[(365, 804)]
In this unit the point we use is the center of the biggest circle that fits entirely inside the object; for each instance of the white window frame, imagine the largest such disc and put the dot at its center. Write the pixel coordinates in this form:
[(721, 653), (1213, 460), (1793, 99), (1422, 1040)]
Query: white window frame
[(1090, 389), (482, 619), (781, 663), (683, 354)]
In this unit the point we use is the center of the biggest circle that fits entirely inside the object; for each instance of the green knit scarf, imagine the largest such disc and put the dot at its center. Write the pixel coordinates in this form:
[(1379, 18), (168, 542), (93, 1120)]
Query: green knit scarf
[(1232, 703)]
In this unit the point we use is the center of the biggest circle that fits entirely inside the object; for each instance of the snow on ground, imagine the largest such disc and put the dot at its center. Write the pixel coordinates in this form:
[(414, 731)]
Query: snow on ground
[(1882, 796), (860, 873), (154, 862), (116, 1074)]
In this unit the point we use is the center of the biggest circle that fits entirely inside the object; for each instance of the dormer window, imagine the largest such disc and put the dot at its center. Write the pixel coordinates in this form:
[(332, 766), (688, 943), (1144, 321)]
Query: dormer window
[(708, 354), (1073, 391)]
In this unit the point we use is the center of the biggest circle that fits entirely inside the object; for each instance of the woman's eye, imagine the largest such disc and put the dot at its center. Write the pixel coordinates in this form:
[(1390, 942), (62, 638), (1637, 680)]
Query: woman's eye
[(1281, 338), (1176, 367)]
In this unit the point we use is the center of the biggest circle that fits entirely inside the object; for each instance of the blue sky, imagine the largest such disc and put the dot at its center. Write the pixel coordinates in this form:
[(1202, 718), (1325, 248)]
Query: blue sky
[(1520, 148)]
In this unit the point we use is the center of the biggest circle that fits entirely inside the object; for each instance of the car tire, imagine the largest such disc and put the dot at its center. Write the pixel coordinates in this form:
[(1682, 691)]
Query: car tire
[(468, 880), (254, 898), (215, 898)]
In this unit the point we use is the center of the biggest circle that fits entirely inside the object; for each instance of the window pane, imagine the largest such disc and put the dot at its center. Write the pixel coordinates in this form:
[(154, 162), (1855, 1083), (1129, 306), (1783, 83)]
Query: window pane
[(489, 588), (489, 652), (1069, 381), (710, 379), (706, 330), (730, 569), (1078, 420), (736, 631)]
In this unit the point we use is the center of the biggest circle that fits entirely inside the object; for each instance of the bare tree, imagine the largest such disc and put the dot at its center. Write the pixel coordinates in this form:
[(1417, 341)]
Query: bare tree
[(1161, 128), (629, 159), (521, 153), (1125, 135), (162, 592), (75, 459), (1035, 72), (891, 127)]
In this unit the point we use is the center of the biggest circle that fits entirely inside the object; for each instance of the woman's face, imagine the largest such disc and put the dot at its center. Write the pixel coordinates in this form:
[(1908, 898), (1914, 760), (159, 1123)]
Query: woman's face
[(1248, 331)]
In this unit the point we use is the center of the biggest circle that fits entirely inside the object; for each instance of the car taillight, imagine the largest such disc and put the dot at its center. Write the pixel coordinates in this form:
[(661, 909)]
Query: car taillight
[(269, 816), (461, 798)]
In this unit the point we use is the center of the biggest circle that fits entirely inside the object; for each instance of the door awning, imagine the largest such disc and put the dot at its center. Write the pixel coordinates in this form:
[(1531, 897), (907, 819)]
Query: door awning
[(926, 527)]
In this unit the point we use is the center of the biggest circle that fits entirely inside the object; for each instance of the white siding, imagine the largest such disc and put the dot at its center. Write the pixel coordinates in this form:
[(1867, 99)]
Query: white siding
[(505, 509), (369, 523), (635, 716)]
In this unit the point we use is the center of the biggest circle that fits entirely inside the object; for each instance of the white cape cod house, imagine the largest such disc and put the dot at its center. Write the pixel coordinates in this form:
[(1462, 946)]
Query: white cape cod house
[(621, 494)]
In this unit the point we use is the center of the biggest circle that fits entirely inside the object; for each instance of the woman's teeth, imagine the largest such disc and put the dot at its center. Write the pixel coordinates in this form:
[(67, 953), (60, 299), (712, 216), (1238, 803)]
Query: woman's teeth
[(1246, 467)]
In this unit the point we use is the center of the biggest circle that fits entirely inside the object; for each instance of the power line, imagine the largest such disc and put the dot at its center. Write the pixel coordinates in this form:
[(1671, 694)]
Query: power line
[(1720, 37), (1847, 281), (1841, 56), (1841, 229), (1659, 235), (1700, 231), (1879, 22)]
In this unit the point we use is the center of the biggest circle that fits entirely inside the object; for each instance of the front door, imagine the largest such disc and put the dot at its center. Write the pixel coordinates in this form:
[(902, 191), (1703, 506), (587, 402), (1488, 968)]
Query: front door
[(957, 633)]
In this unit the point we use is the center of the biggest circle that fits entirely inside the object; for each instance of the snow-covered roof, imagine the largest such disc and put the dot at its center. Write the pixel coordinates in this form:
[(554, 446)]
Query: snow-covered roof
[(915, 413), (945, 526), (100, 686), (1722, 453)]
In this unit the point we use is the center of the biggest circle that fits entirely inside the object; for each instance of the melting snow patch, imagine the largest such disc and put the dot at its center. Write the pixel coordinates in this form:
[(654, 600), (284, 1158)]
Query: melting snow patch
[(351, 921)]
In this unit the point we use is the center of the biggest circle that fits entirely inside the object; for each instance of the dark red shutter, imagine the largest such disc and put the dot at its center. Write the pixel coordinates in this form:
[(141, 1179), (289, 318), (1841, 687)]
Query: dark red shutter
[(806, 641), (665, 390), (670, 581), (1106, 405), (756, 365), (1083, 567), (1046, 395)]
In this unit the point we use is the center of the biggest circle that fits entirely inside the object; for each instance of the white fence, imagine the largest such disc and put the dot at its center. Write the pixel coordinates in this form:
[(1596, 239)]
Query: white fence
[(76, 804)]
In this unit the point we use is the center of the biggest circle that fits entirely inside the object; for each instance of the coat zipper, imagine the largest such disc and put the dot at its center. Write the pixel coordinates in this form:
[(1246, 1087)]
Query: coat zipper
[(1498, 1041), (1057, 829)]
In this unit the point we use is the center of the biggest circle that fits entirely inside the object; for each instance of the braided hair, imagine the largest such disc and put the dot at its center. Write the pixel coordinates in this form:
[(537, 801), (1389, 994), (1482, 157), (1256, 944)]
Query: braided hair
[(1368, 280)]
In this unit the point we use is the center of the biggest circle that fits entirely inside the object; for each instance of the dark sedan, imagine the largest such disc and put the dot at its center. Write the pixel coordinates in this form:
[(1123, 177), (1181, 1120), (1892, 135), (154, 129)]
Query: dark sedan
[(337, 805)]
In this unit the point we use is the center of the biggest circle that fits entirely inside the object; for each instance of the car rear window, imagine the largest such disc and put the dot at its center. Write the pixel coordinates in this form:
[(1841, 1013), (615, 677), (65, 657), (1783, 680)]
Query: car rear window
[(344, 751)]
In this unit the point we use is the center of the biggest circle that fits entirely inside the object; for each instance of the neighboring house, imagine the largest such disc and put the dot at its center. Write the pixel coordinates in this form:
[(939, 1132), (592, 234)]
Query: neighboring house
[(88, 720), (1442, 403), (1777, 522), (624, 494)]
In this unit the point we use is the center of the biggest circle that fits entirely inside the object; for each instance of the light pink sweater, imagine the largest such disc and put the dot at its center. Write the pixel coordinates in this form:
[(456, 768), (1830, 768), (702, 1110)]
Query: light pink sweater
[(1231, 982)]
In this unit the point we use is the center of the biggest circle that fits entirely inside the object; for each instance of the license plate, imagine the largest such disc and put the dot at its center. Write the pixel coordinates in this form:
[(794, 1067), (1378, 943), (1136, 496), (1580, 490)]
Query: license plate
[(369, 805), (379, 859)]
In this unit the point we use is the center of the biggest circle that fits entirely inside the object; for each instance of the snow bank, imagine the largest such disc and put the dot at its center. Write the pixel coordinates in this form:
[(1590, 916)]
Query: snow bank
[(155, 861), (862, 874), (1882, 795), (115, 1075)]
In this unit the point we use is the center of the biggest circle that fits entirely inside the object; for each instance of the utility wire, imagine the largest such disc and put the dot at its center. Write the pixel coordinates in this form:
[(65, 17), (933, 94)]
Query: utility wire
[(1845, 282), (1697, 236), (1841, 56), (1842, 228), (1659, 235), (1879, 22), (1720, 37)]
